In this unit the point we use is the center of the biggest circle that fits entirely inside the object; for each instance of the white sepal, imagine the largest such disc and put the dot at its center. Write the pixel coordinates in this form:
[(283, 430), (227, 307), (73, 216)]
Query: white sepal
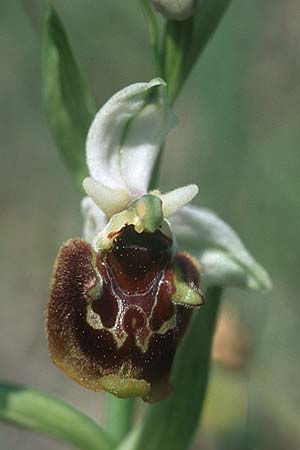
[(126, 134), (222, 255), (94, 220)]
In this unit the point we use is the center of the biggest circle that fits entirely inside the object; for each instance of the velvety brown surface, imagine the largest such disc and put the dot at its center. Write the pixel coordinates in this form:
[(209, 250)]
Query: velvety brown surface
[(136, 327)]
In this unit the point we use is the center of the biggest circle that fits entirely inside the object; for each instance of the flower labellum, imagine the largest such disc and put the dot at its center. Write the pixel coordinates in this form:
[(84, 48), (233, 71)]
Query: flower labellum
[(117, 315)]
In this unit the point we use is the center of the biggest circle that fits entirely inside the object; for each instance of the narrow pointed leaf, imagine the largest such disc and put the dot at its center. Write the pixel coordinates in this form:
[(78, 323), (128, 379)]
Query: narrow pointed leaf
[(68, 101), (40, 412), (224, 259), (185, 40), (210, 13)]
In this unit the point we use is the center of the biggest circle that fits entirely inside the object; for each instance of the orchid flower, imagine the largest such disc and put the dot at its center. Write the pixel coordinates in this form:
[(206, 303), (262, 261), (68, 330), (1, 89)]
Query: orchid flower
[(123, 296)]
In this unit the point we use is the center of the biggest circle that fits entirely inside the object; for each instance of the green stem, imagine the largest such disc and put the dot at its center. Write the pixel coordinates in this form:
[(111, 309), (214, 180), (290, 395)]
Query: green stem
[(119, 417), (175, 420)]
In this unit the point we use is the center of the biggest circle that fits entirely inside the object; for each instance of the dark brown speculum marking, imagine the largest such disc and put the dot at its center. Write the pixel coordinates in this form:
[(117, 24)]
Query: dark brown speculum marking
[(111, 319)]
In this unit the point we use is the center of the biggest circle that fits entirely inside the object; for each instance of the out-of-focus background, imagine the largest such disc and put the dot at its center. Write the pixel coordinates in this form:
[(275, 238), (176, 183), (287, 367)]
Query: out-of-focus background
[(238, 139)]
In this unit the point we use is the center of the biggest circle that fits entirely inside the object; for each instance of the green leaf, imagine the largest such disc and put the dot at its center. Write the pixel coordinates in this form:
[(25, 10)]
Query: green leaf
[(205, 22), (179, 37), (69, 103), (171, 424), (43, 413), (185, 40)]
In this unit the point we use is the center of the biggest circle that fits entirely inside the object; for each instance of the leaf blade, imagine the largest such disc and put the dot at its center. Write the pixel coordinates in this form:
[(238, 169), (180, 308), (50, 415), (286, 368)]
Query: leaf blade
[(69, 104), (41, 412)]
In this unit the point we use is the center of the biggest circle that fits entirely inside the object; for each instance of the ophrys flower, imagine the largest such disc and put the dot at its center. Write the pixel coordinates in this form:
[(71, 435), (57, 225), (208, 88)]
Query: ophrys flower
[(122, 298)]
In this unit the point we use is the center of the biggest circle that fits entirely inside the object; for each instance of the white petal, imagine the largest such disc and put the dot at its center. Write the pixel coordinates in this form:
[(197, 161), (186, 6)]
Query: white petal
[(223, 256), (175, 200), (126, 134), (110, 201), (94, 220)]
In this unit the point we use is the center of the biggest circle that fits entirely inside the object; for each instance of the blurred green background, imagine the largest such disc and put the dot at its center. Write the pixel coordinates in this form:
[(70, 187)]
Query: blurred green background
[(238, 139)]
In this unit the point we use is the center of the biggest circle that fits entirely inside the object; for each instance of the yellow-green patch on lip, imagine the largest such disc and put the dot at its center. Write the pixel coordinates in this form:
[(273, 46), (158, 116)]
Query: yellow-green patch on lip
[(125, 387)]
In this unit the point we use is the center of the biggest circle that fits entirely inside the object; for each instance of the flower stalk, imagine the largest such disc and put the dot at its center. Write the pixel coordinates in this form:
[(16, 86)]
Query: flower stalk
[(119, 417), (176, 419)]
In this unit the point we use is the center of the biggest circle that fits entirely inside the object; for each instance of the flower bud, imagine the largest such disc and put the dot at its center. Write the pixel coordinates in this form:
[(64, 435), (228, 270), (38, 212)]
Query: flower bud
[(176, 9)]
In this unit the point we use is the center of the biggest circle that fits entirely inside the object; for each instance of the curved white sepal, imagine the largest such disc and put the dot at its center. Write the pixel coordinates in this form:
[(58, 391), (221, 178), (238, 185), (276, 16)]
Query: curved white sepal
[(110, 201), (173, 201), (94, 220), (224, 259), (126, 134)]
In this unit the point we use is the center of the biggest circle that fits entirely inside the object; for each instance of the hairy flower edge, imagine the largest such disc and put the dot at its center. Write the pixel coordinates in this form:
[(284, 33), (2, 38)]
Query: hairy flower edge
[(116, 317)]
